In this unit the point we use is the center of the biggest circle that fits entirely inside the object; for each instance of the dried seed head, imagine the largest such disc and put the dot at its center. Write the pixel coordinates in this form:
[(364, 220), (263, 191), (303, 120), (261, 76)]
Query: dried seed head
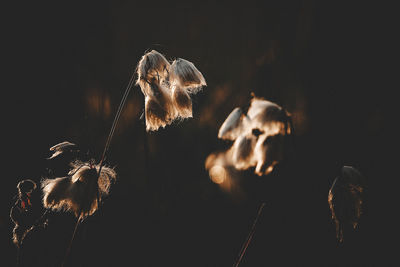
[(26, 186), (167, 88), (26, 211), (259, 137), (345, 200), (80, 191), (61, 148)]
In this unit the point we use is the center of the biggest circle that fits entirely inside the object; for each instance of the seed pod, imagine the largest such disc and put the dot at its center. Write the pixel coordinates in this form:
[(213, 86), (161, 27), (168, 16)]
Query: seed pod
[(80, 192), (167, 88)]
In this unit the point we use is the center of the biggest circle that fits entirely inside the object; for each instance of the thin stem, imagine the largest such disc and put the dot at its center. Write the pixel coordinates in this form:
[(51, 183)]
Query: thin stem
[(146, 152), (70, 243), (103, 157), (18, 255), (249, 237), (116, 118)]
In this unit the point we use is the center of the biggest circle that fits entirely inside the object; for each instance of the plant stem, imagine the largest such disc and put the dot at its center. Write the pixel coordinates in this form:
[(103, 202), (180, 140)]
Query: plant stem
[(70, 243), (116, 118), (18, 256), (249, 237)]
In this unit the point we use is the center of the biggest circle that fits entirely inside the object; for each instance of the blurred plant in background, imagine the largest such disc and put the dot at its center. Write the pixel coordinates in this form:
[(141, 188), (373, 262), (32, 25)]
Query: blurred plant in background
[(261, 139), (346, 200)]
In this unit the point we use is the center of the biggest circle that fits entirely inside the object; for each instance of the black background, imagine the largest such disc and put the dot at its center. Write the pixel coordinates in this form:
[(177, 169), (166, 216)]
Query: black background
[(66, 65)]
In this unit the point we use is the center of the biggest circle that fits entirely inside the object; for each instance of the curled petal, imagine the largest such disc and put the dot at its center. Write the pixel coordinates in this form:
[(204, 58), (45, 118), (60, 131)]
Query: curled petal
[(61, 148), (152, 66), (233, 125), (186, 75)]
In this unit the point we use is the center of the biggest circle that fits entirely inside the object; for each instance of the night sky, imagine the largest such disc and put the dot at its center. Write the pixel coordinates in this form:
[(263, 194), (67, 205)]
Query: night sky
[(66, 66)]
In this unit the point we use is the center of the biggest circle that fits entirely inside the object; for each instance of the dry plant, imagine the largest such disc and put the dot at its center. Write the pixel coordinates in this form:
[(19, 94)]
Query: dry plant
[(86, 184), (26, 213), (62, 148), (167, 88), (345, 200), (260, 138), (81, 191)]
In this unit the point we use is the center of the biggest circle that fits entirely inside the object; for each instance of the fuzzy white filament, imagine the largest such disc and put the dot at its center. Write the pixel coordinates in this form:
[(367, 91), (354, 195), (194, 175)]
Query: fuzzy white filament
[(80, 191), (184, 74), (167, 88)]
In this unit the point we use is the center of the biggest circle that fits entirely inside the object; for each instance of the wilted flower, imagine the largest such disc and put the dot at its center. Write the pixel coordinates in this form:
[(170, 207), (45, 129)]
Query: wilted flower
[(26, 211), (81, 191), (259, 137), (61, 155), (62, 148), (345, 199), (167, 88)]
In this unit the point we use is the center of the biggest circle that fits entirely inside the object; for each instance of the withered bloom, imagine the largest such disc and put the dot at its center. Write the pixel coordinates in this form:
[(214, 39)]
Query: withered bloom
[(345, 200), (26, 212), (259, 136), (167, 88), (62, 148), (81, 191)]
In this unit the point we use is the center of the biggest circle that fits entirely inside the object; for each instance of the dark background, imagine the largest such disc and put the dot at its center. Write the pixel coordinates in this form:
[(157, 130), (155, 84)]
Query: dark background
[(66, 65)]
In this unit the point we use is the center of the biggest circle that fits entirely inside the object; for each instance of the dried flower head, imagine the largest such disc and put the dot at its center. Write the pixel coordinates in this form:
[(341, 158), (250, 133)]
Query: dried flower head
[(26, 211), (345, 199), (62, 148), (259, 137), (81, 191), (25, 188), (167, 88)]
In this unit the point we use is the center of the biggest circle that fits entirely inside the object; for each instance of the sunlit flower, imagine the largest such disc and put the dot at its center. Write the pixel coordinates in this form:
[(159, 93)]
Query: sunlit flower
[(167, 88), (259, 136), (81, 191)]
